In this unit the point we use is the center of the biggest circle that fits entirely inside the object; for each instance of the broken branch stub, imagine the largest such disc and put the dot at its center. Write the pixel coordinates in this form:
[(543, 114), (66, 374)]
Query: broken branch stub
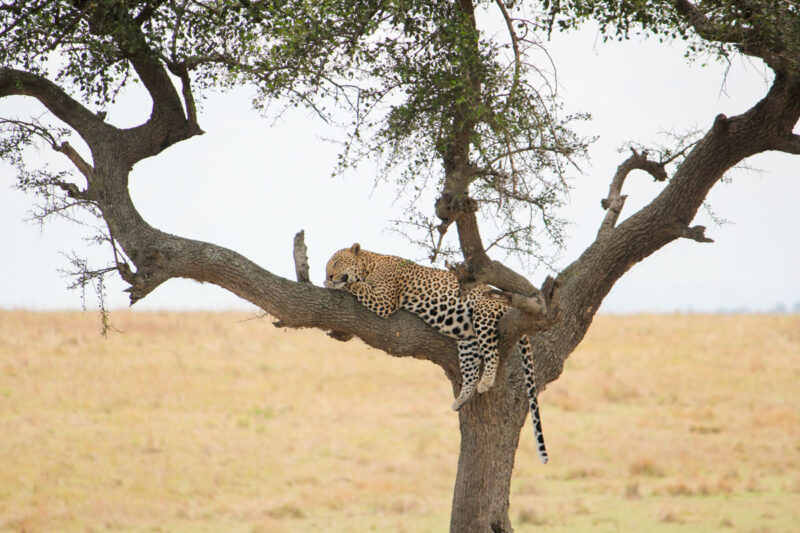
[(464, 275), (301, 257), (695, 233), (449, 207)]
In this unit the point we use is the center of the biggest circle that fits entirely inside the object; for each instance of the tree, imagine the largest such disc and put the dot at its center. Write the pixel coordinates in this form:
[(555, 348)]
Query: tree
[(425, 91)]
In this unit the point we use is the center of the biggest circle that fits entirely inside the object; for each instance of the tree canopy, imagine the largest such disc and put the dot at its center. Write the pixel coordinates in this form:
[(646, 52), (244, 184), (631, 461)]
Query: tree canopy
[(395, 69)]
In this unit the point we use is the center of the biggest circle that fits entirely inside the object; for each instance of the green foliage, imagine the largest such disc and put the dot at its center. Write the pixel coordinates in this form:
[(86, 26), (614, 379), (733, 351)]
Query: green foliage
[(89, 44), (716, 27), (413, 83), (422, 85), (17, 140)]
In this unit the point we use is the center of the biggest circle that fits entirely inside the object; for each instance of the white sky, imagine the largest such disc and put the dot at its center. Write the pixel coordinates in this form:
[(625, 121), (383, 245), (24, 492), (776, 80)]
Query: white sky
[(250, 184)]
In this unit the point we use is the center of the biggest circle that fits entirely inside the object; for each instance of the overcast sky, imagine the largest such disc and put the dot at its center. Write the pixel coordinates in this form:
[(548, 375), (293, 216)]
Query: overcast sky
[(251, 183)]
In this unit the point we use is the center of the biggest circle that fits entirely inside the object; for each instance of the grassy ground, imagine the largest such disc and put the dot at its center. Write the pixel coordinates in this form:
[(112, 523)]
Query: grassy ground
[(212, 422)]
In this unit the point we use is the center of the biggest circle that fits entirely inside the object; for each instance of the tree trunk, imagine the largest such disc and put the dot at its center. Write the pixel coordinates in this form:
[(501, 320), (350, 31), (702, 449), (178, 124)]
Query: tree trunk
[(490, 426)]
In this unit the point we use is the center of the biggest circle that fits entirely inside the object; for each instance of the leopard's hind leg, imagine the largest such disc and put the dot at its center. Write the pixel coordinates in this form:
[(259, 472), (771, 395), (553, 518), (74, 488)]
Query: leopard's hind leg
[(485, 326), (469, 360)]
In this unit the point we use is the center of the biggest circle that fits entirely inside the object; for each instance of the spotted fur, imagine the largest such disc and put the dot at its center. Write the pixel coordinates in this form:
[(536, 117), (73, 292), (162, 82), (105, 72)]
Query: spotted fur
[(385, 283)]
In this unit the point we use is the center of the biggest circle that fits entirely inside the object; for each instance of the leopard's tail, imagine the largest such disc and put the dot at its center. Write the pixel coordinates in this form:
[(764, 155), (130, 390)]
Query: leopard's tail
[(530, 386)]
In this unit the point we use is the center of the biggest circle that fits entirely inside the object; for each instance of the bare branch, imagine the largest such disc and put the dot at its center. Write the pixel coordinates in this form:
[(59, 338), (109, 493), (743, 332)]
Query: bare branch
[(616, 200), (679, 153), (434, 233), (32, 128), (441, 229), (85, 168), (531, 148), (42, 131)]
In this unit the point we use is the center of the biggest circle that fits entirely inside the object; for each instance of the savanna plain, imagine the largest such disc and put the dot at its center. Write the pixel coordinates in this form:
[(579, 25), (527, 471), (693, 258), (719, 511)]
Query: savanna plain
[(220, 422)]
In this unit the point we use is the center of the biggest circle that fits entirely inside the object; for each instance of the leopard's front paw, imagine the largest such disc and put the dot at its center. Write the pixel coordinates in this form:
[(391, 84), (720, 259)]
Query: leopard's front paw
[(462, 399)]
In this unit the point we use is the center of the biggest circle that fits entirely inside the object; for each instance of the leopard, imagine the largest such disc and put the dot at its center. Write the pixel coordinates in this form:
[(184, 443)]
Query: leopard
[(386, 283)]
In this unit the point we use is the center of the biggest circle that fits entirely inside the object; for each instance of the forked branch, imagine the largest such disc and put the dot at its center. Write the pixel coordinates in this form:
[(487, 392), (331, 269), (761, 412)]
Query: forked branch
[(615, 200), (181, 70)]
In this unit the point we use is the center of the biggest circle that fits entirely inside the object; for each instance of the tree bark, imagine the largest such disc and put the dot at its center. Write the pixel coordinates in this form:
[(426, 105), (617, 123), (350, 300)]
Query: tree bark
[(490, 426)]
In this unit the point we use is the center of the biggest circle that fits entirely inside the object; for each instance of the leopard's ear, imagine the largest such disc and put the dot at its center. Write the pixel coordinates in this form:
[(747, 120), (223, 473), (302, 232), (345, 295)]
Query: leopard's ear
[(356, 248)]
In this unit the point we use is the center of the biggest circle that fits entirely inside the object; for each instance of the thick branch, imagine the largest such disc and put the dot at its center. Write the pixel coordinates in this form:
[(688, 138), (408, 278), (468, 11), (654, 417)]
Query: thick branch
[(126, 32), (167, 124), (585, 283), (295, 305), (455, 205), (58, 102), (483, 270), (299, 305)]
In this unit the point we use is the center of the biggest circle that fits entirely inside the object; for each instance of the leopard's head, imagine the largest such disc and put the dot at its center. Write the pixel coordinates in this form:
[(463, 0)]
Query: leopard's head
[(345, 266)]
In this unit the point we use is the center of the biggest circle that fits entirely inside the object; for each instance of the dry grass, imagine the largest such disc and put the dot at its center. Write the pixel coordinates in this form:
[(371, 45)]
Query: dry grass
[(210, 422)]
